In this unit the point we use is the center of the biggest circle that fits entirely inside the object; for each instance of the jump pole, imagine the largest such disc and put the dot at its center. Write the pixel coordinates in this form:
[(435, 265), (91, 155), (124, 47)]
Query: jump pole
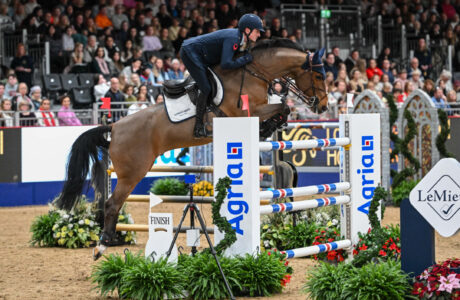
[(236, 154)]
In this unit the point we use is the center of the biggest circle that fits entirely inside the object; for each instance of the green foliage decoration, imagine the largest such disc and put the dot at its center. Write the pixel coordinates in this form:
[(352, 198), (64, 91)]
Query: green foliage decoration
[(442, 136), (402, 191), (169, 186), (42, 230)]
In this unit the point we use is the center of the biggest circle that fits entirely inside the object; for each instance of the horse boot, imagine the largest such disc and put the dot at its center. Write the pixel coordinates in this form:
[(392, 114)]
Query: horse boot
[(200, 130)]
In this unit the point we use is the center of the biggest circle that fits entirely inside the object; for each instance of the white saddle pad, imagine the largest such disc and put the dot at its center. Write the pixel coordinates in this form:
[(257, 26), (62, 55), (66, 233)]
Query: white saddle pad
[(182, 108)]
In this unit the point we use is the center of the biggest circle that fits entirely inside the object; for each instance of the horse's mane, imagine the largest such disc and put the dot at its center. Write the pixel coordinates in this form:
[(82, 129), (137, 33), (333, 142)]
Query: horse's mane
[(276, 43)]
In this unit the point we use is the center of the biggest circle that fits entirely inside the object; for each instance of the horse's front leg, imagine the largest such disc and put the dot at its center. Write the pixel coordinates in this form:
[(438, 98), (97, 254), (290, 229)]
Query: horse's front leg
[(272, 116)]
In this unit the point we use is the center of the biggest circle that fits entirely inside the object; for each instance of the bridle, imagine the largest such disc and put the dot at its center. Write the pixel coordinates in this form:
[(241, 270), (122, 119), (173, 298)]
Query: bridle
[(310, 101)]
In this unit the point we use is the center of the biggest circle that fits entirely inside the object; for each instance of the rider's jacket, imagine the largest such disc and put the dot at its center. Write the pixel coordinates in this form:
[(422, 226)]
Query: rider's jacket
[(217, 47)]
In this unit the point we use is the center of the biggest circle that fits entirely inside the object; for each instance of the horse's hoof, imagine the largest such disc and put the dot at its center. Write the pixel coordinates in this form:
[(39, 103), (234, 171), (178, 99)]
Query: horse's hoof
[(98, 251)]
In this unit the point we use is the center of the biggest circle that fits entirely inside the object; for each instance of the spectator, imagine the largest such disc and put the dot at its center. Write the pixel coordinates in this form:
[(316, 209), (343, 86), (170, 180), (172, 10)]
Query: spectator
[(100, 86), (329, 65), (416, 80), (66, 116), (139, 105), (26, 117), (99, 64), (36, 96), (68, 44), (173, 30), (143, 90), (119, 17), (151, 41), (11, 86), (385, 55), (135, 81), (159, 73), (21, 95), (135, 67), (127, 52), (329, 82), (361, 65), (402, 76), (413, 66), (6, 114), (175, 72), (408, 89), (352, 60), (387, 71), (90, 49), (398, 96), (129, 93), (182, 36), (378, 85), (102, 20), (423, 54), (146, 76), (164, 17), (2, 91), (122, 35), (159, 99), (23, 65), (275, 29), (444, 80), (116, 66), (439, 100), (114, 93), (19, 14), (452, 98), (341, 90), (110, 46), (276, 94), (356, 84), (373, 70), (386, 91), (138, 54), (77, 65), (342, 75), (428, 87), (45, 117), (336, 52), (166, 43)]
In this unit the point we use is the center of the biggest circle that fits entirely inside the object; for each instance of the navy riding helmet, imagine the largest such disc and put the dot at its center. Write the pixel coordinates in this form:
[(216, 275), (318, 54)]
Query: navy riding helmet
[(250, 21)]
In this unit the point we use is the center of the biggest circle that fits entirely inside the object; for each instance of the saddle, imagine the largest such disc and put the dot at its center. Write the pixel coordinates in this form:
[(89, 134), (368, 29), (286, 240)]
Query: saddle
[(176, 88)]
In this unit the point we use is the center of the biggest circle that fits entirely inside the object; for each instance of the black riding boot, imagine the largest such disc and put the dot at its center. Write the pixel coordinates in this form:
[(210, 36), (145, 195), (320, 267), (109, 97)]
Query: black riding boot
[(200, 130)]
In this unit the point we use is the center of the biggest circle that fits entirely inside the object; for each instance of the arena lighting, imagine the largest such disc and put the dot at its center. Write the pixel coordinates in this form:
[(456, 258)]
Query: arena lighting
[(325, 13)]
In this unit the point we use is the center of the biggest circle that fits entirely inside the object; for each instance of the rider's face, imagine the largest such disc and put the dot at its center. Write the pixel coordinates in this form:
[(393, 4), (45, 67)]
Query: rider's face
[(255, 34)]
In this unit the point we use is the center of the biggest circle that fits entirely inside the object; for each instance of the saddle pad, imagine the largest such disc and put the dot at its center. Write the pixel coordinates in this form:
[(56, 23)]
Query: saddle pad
[(182, 108)]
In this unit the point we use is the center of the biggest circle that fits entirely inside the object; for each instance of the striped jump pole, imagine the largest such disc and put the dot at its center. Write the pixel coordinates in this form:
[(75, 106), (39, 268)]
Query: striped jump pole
[(305, 191), (178, 199), (302, 205), (313, 125), (305, 144), (312, 250), (145, 228), (194, 169)]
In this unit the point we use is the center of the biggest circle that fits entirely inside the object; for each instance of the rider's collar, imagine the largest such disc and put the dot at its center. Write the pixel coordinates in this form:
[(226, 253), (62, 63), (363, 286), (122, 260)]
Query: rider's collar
[(242, 39)]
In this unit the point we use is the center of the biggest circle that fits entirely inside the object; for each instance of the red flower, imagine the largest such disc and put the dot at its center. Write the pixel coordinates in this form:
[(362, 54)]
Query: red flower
[(331, 255), (286, 263), (382, 253), (384, 247), (393, 246), (330, 240), (419, 289), (363, 247), (269, 253), (355, 252)]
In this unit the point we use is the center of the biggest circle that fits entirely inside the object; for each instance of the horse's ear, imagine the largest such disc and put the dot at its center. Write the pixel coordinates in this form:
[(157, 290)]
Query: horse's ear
[(306, 64)]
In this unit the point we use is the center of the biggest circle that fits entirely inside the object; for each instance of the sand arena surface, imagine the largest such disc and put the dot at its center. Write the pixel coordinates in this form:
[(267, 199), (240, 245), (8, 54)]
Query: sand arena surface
[(56, 273)]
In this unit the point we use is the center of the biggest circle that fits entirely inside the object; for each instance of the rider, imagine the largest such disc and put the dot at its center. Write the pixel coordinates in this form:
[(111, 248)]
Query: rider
[(200, 52)]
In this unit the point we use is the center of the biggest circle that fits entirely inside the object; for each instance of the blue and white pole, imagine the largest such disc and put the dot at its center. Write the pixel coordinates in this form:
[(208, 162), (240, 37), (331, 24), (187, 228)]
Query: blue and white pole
[(305, 191), (302, 205), (305, 144), (312, 250)]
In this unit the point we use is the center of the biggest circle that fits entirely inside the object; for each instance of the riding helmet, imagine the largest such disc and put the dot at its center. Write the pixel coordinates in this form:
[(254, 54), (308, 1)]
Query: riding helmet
[(250, 21)]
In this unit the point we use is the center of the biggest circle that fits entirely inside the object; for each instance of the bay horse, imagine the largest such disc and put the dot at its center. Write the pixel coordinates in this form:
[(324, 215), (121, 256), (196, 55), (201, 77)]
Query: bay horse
[(136, 140)]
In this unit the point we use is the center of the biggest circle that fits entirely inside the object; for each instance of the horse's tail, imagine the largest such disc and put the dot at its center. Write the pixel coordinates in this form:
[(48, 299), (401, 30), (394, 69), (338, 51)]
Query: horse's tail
[(84, 150)]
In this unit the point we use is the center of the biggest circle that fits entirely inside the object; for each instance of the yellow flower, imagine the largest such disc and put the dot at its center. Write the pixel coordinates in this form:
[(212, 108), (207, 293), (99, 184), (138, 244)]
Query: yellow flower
[(329, 224), (265, 226), (55, 226), (81, 230), (87, 221), (61, 242), (94, 237), (87, 244), (70, 233), (121, 218), (64, 229), (58, 234), (63, 234)]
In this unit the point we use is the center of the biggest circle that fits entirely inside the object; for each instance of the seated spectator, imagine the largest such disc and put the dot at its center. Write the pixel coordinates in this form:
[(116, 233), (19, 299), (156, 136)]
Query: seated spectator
[(361, 66), (2, 91), (342, 75), (21, 95), (413, 67), (352, 60), (151, 41), (329, 82), (119, 17), (129, 93), (439, 100), (385, 55), (159, 98), (373, 70), (99, 64), (135, 81), (115, 94), (416, 80), (181, 37), (46, 117), (445, 81), (378, 85), (135, 37), (66, 116), (143, 90), (6, 113), (159, 73), (11, 87), (36, 96), (116, 66), (402, 76), (355, 85), (101, 86), (398, 97), (276, 94), (452, 98), (122, 35), (329, 64), (77, 65), (146, 76), (173, 30), (102, 20), (175, 72), (127, 52), (340, 90), (408, 89), (429, 87), (135, 67), (386, 91), (139, 105), (68, 44), (26, 116), (166, 43), (386, 69), (90, 49)]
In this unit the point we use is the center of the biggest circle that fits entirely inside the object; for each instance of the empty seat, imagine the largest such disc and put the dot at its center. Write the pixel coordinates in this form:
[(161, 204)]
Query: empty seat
[(51, 82), (81, 97), (69, 81), (86, 80)]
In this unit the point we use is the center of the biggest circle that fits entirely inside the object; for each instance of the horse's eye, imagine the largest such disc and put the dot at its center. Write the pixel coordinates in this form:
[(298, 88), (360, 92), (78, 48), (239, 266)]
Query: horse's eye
[(319, 78)]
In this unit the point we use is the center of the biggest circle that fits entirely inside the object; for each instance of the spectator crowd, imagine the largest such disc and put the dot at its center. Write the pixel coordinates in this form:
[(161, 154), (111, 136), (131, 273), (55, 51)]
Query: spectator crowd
[(131, 45)]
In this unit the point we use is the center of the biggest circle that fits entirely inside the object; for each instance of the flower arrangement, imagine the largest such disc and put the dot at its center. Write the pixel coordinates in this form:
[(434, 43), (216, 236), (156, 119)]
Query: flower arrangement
[(327, 235), (75, 229), (382, 242), (203, 188), (282, 258), (439, 281)]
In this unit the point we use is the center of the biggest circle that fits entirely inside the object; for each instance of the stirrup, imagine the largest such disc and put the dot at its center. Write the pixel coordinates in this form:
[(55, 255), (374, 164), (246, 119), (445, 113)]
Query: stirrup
[(200, 131)]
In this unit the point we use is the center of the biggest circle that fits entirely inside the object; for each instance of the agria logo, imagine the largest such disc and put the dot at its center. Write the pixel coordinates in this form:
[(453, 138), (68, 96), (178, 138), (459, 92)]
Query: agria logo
[(368, 180), (443, 197), (236, 206)]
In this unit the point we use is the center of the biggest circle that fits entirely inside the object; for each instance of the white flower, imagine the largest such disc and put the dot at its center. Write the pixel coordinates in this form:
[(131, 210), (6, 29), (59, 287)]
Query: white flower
[(81, 222), (91, 224), (130, 219), (123, 232), (70, 226), (334, 222), (65, 216)]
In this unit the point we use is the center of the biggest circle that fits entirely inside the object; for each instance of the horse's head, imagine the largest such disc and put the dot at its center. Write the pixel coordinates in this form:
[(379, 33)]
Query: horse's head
[(311, 81)]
